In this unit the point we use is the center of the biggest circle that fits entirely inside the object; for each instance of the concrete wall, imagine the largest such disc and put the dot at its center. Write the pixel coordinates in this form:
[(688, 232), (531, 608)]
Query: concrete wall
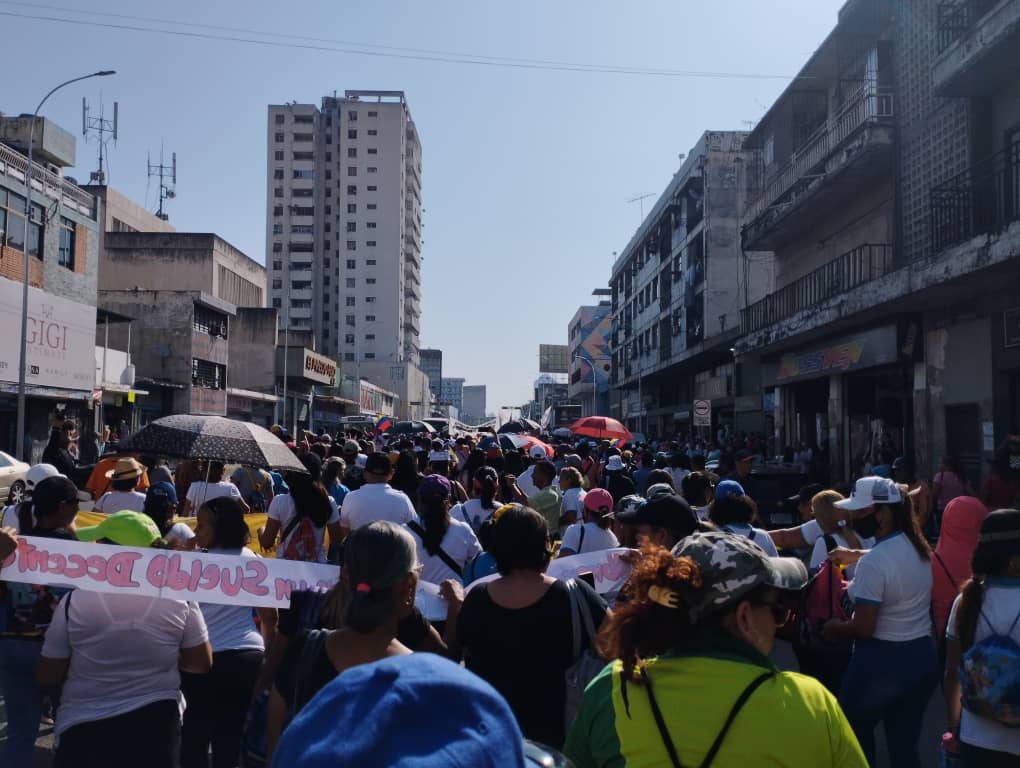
[(161, 335), (252, 342), (1005, 113)]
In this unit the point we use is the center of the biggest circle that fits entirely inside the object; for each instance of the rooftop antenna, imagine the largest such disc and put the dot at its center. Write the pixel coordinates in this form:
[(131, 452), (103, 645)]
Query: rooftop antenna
[(163, 171), (101, 127), (640, 199)]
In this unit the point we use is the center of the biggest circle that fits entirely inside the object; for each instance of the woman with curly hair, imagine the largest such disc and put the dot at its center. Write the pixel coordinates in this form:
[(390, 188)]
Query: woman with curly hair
[(692, 683)]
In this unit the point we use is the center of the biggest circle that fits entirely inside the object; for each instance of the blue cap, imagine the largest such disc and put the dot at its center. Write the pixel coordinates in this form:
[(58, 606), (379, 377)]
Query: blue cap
[(162, 490), (728, 488), (377, 714)]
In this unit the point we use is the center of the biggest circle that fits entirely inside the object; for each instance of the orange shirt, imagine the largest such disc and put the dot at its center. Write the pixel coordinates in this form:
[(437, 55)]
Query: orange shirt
[(98, 483)]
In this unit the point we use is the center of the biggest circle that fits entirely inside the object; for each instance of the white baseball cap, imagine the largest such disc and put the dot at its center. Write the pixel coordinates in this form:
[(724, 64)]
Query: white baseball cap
[(869, 491), (39, 472), (537, 452)]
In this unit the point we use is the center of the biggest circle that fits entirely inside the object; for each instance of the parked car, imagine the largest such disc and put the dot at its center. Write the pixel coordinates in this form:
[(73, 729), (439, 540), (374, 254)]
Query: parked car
[(12, 478)]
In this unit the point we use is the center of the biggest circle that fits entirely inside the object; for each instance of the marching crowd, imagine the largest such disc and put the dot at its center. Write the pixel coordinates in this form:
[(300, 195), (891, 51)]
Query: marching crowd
[(673, 669)]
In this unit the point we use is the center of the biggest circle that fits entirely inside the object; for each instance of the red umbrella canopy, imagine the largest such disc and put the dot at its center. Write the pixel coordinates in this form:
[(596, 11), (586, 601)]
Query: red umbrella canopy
[(601, 427), (530, 441)]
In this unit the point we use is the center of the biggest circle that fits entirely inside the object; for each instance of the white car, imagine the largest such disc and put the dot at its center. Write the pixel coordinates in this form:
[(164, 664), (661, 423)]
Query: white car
[(12, 479)]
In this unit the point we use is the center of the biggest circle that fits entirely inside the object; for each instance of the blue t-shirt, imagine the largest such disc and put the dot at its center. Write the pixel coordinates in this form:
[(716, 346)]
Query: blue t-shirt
[(339, 491)]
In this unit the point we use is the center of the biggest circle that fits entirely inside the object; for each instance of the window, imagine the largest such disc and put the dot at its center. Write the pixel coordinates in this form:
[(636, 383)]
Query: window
[(352, 115), (278, 173), (278, 155), (351, 282), (352, 245), (369, 337), (352, 151), (277, 284), (326, 245), (373, 132), (352, 170), (65, 250), (277, 265), (373, 114), (370, 318), (349, 338), (280, 119), (278, 229), (278, 192), (325, 331), (370, 355), (302, 210), (372, 189), (300, 229), (349, 319), (352, 134), (349, 301), (302, 137), (373, 151), (302, 192), (325, 315), (352, 226), (303, 119), (370, 225), (278, 138), (370, 280), (351, 264), (278, 210), (304, 155), (352, 207), (303, 174), (370, 299), (209, 321), (301, 248), (370, 243), (329, 174), (327, 227), (352, 189), (372, 206), (277, 304), (370, 262), (769, 151), (372, 170), (326, 262), (348, 357), (277, 247)]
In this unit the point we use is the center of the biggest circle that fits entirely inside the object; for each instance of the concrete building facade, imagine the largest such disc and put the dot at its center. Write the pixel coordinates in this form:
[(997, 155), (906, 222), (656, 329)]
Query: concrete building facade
[(678, 288), (343, 225), (62, 249), (432, 366), (473, 410), (451, 392), (590, 336)]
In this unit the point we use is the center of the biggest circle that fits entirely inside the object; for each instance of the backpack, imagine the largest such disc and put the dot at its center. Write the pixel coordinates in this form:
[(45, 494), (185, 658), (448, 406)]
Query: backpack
[(990, 676), (587, 665), (823, 598), (301, 540), (256, 499)]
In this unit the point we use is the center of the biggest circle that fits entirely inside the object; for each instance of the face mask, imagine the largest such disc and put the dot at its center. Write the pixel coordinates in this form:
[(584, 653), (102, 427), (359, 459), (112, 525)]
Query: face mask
[(866, 526)]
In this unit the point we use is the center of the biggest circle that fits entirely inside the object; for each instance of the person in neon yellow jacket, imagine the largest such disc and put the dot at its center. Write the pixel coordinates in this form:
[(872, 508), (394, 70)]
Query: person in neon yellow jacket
[(692, 684)]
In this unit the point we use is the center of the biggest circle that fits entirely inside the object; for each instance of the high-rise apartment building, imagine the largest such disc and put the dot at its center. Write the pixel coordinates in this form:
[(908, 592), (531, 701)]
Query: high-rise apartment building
[(432, 366), (473, 411), (451, 393), (343, 226)]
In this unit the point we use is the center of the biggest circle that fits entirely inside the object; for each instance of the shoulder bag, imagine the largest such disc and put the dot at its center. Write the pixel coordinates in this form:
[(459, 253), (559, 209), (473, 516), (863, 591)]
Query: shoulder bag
[(586, 665)]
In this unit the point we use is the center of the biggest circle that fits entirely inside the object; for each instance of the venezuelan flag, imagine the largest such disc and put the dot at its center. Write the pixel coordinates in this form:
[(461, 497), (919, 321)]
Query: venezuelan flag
[(617, 443), (384, 423)]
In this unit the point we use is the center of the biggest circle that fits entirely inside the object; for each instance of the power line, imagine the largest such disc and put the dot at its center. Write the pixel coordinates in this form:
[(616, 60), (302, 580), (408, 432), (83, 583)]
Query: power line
[(280, 40)]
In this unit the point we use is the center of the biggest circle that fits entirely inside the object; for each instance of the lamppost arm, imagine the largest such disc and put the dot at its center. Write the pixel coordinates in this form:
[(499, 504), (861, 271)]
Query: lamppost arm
[(23, 352)]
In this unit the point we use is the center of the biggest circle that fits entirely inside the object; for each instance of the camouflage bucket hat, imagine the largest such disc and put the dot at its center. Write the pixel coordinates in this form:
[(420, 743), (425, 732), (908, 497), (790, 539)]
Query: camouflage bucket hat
[(731, 566)]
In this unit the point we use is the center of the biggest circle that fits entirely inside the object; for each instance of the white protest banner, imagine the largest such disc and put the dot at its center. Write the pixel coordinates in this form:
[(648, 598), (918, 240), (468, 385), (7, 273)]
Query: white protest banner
[(431, 605), (609, 567), (207, 578)]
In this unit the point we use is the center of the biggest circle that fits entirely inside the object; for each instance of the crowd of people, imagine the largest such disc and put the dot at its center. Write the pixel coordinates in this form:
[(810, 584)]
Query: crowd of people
[(674, 668)]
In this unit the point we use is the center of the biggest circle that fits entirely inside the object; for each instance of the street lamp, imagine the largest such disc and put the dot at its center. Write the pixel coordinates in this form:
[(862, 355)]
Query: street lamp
[(594, 382), (24, 275)]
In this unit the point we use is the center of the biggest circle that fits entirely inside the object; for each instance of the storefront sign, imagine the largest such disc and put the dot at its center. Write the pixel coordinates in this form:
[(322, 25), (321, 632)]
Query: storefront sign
[(61, 339), (864, 350), (207, 578), (1011, 327), (319, 368)]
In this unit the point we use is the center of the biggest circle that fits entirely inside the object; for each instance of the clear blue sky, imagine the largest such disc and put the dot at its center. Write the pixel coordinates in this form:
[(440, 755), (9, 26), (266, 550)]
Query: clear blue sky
[(526, 172)]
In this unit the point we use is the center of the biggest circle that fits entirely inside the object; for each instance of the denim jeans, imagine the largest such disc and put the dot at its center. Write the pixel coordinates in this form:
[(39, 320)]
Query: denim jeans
[(890, 683), (23, 700)]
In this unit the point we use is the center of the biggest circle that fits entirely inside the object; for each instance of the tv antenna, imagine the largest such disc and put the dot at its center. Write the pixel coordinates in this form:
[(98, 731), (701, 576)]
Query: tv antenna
[(640, 199), (101, 127), (164, 172)]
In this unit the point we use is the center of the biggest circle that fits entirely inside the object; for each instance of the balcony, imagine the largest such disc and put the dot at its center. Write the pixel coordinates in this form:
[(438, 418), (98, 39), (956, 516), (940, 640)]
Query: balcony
[(55, 187), (982, 200), (849, 149), (853, 268), (977, 43)]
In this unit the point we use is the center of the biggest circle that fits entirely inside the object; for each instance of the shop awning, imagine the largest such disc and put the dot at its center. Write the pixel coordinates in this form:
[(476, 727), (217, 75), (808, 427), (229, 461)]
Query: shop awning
[(51, 393)]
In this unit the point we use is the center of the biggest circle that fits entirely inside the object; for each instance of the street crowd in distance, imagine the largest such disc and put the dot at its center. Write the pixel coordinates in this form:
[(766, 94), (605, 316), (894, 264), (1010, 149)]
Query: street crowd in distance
[(887, 587)]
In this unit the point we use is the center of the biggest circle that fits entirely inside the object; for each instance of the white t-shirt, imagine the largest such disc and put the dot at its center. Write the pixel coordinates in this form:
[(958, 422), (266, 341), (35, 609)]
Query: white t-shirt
[(231, 627), (678, 474), (118, 501), (180, 532), (572, 501), (757, 535), (281, 509), (819, 554), (473, 513), (892, 576), (123, 651), (1000, 606), (376, 501), (595, 538), (199, 492), (525, 483), (811, 532), (459, 542)]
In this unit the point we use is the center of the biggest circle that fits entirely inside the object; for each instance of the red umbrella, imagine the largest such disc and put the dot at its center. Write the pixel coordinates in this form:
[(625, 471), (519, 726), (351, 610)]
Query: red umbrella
[(601, 427), (530, 441)]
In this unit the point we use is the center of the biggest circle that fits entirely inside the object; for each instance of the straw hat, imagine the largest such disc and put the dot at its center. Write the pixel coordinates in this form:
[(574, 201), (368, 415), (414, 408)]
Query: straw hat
[(126, 469)]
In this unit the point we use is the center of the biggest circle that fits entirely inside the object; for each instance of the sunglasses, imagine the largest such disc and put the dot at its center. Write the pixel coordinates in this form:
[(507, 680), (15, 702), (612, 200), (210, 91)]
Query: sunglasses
[(780, 612)]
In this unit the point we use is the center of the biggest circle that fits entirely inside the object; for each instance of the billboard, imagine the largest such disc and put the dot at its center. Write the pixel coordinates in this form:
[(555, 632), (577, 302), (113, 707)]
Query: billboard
[(553, 358)]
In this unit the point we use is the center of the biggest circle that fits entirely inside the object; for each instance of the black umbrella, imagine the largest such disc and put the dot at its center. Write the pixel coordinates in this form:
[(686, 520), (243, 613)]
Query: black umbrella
[(213, 438), (412, 428), (517, 426)]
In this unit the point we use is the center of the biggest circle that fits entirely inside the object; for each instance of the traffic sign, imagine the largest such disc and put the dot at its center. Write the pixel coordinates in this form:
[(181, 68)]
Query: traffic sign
[(702, 413)]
